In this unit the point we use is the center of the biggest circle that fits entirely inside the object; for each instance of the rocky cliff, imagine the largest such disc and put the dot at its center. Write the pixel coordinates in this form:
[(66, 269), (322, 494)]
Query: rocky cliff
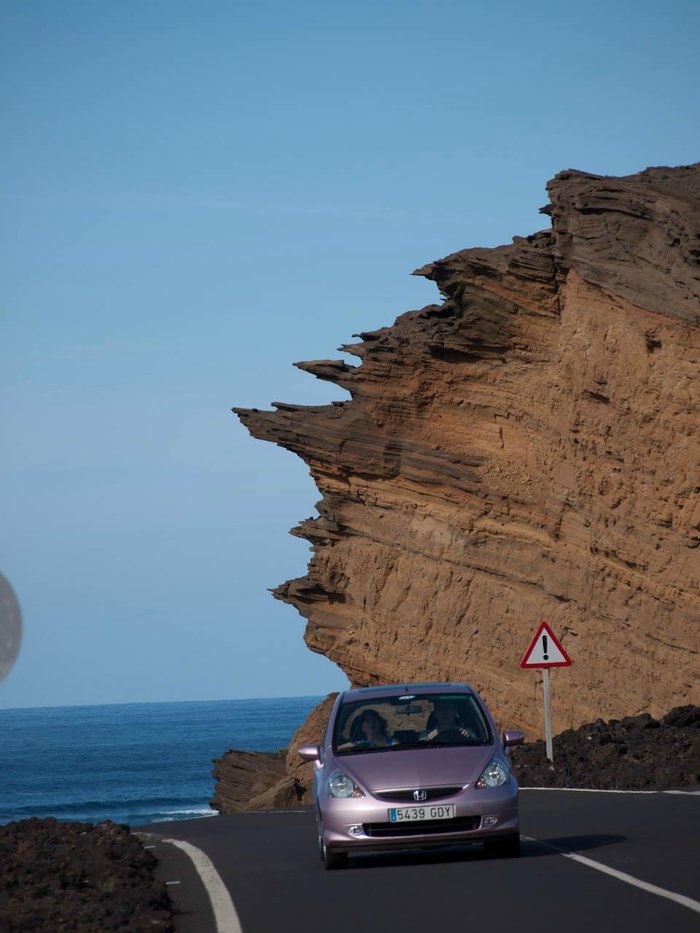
[(525, 449)]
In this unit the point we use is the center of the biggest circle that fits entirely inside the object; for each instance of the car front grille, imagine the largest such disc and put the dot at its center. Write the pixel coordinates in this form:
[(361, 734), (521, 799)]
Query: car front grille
[(421, 827), (406, 796)]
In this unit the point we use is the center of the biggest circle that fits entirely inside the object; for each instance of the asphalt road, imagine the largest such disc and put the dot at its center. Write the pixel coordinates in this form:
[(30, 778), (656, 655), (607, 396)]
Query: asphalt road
[(269, 863)]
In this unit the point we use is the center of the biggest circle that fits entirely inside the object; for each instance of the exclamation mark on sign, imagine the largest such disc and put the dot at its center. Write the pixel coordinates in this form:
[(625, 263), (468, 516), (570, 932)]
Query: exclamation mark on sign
[(545, 656)]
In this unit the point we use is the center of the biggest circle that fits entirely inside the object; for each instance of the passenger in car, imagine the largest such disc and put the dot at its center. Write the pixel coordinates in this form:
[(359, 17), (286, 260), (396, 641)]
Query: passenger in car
[(370, 728), (445, 718)]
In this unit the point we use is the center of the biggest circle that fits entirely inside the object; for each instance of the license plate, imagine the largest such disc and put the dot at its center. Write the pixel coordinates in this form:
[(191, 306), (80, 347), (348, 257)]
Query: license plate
[(416, 814)]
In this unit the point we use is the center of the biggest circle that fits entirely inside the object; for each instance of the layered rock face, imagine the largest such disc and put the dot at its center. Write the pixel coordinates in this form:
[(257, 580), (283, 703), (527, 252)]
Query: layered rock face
[(527, 449), (253, 781)]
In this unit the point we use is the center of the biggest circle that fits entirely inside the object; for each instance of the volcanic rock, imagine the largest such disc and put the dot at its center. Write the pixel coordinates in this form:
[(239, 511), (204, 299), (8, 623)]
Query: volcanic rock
[(634, 753), (526, 449), (70, 877)]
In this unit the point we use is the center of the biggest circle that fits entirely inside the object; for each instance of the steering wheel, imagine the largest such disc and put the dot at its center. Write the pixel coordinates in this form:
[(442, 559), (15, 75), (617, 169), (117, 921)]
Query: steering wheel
[(452, 734)]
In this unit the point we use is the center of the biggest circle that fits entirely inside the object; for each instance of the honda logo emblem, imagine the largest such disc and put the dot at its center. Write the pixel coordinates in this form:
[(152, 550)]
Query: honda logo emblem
[(420, 795)]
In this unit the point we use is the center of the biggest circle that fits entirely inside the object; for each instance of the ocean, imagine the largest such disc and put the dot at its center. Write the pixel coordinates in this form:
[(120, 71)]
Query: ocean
[(131, 763)]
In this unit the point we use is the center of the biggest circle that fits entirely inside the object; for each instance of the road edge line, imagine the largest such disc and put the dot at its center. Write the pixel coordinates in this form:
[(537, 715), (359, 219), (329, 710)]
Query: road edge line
[(225, 915), (681, 899)]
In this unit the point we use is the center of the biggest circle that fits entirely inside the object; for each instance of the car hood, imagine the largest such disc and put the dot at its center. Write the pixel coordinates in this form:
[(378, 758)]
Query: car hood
[(396, 769)]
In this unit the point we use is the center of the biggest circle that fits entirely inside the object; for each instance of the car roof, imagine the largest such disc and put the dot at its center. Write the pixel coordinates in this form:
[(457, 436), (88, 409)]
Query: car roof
[(392, 690)]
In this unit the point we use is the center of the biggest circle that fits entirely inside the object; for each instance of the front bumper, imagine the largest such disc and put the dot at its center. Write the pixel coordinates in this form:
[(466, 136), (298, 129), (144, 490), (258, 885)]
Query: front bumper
[(353, 824)]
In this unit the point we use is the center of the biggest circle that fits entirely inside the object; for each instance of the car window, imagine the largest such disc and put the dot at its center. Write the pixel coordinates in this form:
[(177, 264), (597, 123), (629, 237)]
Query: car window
[(391, 723)]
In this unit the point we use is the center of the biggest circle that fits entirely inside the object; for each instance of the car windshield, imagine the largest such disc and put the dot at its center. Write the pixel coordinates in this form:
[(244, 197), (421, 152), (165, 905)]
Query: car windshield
[(423, 721)]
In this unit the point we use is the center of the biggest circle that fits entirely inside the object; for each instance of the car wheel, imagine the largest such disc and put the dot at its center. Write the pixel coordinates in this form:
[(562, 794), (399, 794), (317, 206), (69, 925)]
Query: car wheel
[(330, 858), (335, 859), (505, 847)]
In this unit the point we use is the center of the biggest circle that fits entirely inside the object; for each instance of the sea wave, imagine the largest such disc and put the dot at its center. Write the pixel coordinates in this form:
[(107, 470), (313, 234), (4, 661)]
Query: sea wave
[(170, 815), (131, 812), (206, 811), (196, 811), (105, 805)]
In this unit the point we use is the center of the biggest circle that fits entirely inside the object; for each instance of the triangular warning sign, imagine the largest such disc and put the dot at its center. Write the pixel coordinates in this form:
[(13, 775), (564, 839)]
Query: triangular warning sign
[(545, 650)]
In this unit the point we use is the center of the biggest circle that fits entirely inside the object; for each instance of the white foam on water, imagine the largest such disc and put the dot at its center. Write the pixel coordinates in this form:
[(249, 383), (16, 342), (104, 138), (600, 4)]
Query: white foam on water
[(198, 811)]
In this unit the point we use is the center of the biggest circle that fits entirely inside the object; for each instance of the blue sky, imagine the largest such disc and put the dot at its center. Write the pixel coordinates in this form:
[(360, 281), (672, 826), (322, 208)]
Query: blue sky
[(196, 195)]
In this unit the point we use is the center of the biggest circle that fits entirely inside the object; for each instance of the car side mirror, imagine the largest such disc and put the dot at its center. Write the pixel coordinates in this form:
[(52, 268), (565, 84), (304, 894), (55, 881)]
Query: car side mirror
[(309, 752), (513, 737)]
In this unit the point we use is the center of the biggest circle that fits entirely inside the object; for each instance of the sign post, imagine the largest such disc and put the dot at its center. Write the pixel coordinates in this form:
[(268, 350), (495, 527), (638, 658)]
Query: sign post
[(547, 714), (545, 651)]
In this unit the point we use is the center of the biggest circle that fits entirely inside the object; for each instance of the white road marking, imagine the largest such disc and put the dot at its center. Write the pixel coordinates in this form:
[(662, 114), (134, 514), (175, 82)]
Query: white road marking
[(224, 912), (621, 875)]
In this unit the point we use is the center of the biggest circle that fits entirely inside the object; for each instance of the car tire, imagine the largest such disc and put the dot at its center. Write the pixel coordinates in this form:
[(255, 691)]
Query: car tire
[(336, 859), (331, 859), (505, 847)]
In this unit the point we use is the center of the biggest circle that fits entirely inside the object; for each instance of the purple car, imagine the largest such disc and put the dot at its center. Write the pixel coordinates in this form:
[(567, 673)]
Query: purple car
[(413, 765)]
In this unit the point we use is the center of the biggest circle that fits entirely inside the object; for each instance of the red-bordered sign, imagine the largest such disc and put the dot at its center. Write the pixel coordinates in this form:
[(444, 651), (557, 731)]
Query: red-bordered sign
[(545, 650)]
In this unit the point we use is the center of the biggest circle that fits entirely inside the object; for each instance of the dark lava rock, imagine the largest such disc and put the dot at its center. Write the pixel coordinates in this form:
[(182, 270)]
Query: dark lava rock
[(634, 753), (69, 877)]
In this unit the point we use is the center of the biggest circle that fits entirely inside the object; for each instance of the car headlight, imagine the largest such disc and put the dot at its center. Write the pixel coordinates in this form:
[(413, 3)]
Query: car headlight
[(494, 774), (340, 785)]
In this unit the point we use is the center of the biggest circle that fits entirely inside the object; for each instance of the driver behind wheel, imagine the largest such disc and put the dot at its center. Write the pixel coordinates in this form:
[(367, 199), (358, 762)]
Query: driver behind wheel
[(445, 718)]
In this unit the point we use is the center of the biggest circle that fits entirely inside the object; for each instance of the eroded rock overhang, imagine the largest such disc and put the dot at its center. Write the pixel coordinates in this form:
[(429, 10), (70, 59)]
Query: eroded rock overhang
[(525, 449)]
